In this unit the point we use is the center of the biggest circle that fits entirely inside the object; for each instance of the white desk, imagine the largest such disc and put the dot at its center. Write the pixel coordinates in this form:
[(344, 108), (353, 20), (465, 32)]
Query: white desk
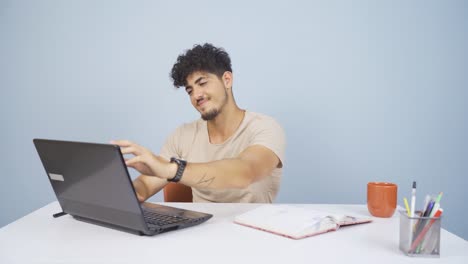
[(39, 238)]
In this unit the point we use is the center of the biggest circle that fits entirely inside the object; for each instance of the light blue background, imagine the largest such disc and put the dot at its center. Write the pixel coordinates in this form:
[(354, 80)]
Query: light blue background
[(366, 90)]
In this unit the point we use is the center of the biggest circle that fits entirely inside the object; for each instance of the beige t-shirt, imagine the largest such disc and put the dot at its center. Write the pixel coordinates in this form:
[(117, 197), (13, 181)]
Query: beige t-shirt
[(191, 143)]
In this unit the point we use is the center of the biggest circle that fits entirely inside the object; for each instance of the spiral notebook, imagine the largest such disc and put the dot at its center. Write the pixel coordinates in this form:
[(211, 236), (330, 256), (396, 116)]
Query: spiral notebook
[(296, 222)]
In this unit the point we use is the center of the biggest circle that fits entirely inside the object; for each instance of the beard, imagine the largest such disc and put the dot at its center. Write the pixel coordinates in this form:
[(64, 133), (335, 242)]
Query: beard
[(213, 113), (210, 115)]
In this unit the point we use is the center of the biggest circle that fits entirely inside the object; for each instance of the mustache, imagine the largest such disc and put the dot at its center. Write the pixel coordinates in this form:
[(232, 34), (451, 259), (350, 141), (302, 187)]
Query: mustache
[(201, 99)]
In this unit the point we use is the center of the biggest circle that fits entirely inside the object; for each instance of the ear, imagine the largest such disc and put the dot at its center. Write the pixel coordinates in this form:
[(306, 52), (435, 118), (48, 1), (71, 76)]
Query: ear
[(227, 79)]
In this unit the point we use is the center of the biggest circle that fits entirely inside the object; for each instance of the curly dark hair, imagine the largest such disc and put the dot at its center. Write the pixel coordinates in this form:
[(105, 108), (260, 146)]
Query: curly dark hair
[(206, 57)]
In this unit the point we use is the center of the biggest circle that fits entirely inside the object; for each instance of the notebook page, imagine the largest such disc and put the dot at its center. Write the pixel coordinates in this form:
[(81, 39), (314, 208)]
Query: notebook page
[(347, 219), (286, 219)]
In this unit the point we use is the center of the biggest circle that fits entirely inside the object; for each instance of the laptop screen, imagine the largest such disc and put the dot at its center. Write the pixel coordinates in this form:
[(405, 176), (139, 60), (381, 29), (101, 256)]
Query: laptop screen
[(91, 180)]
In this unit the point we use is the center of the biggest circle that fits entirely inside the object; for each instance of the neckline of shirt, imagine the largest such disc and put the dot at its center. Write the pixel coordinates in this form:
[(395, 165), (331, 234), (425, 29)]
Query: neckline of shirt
[(242, 124)]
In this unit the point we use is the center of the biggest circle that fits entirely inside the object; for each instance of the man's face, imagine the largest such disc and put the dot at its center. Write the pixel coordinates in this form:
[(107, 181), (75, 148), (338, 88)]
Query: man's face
[(207, 93)]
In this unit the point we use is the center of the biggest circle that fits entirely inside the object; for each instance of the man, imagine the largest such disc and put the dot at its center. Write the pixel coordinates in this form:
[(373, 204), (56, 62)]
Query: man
[(229, 155)]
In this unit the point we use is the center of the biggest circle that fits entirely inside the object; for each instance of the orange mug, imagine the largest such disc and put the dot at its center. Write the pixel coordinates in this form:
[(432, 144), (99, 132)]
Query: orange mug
[(381, 198)]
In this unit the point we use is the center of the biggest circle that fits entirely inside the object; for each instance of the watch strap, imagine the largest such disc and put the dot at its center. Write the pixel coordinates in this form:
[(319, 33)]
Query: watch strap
[(181, 164)]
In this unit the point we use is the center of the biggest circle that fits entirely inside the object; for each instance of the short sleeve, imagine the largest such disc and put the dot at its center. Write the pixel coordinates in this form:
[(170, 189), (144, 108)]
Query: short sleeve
[(171, 145), (268, 132)]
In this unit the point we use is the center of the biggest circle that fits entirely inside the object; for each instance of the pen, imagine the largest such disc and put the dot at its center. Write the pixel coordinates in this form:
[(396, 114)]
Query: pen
[(432, 214), (434, 209), (408, 212), (413, 199), (439, 197), (429, 244), (431, 209), (426, 201), (424, 231), (432, 237), (422, 222), (426, 244)]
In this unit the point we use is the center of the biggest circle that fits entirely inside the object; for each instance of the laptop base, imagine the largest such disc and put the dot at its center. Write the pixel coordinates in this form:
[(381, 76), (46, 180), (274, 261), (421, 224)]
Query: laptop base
[(108, 225)]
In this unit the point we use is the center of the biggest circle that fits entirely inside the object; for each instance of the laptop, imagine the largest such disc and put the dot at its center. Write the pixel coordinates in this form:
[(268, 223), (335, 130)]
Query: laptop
[(92, 184)]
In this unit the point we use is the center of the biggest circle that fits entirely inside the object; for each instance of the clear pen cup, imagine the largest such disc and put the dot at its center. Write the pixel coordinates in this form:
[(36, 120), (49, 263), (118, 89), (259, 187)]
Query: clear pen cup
[(420, 236)]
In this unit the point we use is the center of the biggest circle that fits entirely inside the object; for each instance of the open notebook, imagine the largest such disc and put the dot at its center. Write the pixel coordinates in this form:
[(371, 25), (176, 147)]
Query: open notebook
[(295, 222)]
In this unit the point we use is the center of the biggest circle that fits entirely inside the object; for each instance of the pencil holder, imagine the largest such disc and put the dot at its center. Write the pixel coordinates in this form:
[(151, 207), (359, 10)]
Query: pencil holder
[(420, 236)]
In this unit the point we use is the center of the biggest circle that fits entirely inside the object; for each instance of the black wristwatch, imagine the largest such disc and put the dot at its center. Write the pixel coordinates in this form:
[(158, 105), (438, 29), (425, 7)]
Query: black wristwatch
[(180, 169)]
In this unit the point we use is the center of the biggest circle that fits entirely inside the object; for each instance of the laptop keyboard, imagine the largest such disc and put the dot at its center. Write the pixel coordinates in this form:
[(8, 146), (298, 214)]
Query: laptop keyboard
[(161, 219)]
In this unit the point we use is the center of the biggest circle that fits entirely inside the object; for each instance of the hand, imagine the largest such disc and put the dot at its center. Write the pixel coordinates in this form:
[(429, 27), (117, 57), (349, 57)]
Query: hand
[(144, 160)]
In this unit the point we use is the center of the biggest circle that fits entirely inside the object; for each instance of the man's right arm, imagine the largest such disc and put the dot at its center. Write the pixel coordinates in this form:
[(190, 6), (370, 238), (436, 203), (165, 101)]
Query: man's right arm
[(147, 186)]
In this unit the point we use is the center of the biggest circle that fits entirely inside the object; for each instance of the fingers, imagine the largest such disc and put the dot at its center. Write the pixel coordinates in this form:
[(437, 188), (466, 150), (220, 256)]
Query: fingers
[(122, 143), (133, 161), (142, 160), (138, 163), (130, 150), (128, 147)]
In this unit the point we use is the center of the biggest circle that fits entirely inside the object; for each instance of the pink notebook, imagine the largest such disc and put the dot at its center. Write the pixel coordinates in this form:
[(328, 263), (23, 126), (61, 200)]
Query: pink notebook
[(294, 221)]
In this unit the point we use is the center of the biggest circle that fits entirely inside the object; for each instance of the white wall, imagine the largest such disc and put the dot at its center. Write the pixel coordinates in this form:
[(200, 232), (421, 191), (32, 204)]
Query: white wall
[(366, 91)]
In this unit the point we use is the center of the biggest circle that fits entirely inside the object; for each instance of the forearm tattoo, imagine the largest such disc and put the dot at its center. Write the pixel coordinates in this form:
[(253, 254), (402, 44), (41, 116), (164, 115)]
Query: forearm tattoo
[(206, 181)]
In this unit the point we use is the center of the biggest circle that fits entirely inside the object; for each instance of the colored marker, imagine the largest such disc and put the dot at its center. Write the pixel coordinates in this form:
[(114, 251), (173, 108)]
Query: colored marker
[(408, 212), (413, 199), (439, 197), (424, 231)]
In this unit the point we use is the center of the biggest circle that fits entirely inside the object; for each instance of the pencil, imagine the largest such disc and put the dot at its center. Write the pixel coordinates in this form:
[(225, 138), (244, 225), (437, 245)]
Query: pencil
[(407, 206)]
